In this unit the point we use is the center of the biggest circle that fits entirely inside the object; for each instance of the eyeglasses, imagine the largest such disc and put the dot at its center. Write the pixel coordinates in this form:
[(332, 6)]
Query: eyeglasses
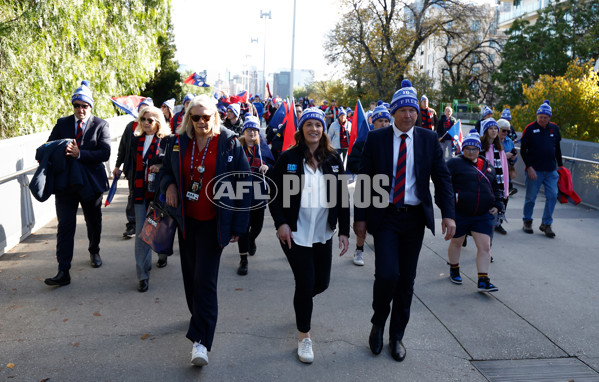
[(471, 149), (148, 120), (504, 130), (206, 118), (80, 105)]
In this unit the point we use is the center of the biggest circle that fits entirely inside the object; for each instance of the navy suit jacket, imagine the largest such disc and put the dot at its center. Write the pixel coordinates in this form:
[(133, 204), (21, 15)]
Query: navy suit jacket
[(377, 158), (94, 149)]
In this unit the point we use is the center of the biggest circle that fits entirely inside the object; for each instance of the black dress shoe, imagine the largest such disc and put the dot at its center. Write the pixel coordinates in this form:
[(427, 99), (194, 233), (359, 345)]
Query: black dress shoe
[(95, 260), (398, 351), (243, 266), (61, 278), (142, 286), (376, 339), (161, 263)]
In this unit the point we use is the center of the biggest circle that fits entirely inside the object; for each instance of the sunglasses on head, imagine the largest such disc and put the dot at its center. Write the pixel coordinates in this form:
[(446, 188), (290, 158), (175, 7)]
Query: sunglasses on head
[(149, 120), (206, 118), (80, 105)]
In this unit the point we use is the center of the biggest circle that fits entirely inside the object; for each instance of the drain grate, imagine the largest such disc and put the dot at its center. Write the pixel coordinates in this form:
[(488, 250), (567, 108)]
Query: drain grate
[(533, 370)]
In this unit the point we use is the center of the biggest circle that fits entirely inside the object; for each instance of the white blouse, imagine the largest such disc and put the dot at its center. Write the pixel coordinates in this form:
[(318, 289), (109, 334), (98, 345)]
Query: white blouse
[(147, 144), (312, 224)]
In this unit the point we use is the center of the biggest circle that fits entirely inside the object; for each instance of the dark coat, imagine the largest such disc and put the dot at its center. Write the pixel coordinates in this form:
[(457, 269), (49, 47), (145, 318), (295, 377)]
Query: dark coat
[(291, 163), (441, 127), (230, 157), (428, 164), (58, 173), (474, 195), (124, 153), (94, 149), (354, 157)]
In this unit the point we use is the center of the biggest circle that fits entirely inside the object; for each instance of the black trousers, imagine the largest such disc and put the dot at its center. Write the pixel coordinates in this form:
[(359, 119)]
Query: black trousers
[(311, 268), (200, 261), (130, 209), (66, 212), (397, 247), (254, 229)]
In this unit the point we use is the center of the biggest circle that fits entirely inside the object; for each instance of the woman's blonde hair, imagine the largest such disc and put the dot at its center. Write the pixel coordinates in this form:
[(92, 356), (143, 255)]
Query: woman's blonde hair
[(163, 128), (209, 104), (242, 139)]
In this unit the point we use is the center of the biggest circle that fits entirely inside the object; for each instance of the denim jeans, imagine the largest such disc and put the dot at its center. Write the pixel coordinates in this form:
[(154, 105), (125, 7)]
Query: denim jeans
[(549, 180), (143, 252)]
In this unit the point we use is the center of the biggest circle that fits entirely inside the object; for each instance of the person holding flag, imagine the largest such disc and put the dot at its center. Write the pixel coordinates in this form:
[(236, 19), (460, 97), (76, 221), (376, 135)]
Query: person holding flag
[(305, 227), (260, 160), (443, 126), (380, 118), (339, 133)]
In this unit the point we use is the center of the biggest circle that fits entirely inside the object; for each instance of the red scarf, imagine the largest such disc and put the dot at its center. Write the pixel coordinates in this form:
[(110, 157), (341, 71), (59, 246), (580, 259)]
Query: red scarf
[(343, 141), (426, 119), (140, 192)]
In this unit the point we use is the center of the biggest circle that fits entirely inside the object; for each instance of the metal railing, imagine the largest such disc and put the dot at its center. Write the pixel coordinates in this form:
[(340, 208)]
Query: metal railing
[(17, 174)]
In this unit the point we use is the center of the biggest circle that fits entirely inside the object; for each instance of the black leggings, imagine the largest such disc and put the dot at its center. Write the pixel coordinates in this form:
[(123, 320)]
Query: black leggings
[(311, 268), (254, 229)]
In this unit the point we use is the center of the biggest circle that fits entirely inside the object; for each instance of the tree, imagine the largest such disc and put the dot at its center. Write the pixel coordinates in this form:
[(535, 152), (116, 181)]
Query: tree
[(167, 80), (470, 56), (562, 32), (377, 40), (574, 101), (48, 47)]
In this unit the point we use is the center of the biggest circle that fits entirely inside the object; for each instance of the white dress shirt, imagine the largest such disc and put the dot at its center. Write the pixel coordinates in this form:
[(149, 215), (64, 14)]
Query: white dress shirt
[(83, 125), (410, 197), (312, 222)]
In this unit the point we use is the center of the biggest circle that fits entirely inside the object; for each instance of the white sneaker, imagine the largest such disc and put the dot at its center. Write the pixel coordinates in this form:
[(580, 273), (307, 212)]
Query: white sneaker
[(358, 259), (304, 351), (199, 354)]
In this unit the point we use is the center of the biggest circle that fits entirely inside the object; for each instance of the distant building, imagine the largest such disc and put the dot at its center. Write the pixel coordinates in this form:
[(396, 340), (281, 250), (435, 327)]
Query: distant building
[(301, 77), (510, 10)]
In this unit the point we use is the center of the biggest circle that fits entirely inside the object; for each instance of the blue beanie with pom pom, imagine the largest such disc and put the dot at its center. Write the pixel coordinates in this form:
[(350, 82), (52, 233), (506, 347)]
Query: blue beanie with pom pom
[(544, 108), (406, 96)]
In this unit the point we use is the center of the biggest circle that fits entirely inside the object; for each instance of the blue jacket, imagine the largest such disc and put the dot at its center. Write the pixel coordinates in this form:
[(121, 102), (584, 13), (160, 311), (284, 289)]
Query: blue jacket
[(232, 214), (58, 173), (474, 195)]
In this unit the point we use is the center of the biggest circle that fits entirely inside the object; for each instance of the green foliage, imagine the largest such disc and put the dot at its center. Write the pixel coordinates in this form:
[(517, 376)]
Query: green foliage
[(167, 80), (562, 32), (574, 101), (48, 47)]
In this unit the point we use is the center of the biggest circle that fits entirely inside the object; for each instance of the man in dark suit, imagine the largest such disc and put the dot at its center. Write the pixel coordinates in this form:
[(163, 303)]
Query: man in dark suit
[(91, 147), (406, 157)]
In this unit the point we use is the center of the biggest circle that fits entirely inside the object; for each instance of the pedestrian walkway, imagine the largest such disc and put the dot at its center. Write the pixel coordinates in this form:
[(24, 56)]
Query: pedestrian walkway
[(543, 321)]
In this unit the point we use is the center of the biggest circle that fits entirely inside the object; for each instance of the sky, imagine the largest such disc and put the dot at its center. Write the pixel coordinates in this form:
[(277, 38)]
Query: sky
[(216, 35)]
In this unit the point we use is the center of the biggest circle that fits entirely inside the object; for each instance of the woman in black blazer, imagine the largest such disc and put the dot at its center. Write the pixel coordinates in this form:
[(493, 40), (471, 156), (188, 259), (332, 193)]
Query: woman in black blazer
[(306, 214)]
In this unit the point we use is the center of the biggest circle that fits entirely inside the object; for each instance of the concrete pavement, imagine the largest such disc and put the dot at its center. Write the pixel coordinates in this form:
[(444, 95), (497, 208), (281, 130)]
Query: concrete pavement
[(543, 321)]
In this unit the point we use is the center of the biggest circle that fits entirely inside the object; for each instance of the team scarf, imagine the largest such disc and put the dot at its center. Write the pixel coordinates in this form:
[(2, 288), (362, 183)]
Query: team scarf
[(253, 160), (140, 192), (426, 119), (343, 138)]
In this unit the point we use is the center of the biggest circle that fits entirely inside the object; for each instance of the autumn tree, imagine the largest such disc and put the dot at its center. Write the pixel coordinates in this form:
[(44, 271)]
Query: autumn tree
[(562, 32), (574, 99), (377, 40)]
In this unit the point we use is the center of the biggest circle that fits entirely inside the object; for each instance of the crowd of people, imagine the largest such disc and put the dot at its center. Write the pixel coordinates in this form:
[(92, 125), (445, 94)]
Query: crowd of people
[(173, 158)]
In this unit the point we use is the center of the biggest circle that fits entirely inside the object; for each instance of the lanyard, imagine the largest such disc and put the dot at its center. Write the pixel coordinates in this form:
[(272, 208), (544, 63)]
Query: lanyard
[(201, 166)]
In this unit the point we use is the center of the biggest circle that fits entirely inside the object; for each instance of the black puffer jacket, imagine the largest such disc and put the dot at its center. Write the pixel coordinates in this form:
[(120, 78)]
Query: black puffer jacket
[(475, 194)]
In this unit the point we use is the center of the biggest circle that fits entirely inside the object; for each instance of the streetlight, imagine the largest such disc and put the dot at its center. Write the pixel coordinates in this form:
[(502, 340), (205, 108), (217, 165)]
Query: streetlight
[(265, 16), (292, 54)]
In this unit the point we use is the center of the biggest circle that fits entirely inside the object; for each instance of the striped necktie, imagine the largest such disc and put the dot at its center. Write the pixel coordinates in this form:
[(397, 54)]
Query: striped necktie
[(399, 191), (79, 135)]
